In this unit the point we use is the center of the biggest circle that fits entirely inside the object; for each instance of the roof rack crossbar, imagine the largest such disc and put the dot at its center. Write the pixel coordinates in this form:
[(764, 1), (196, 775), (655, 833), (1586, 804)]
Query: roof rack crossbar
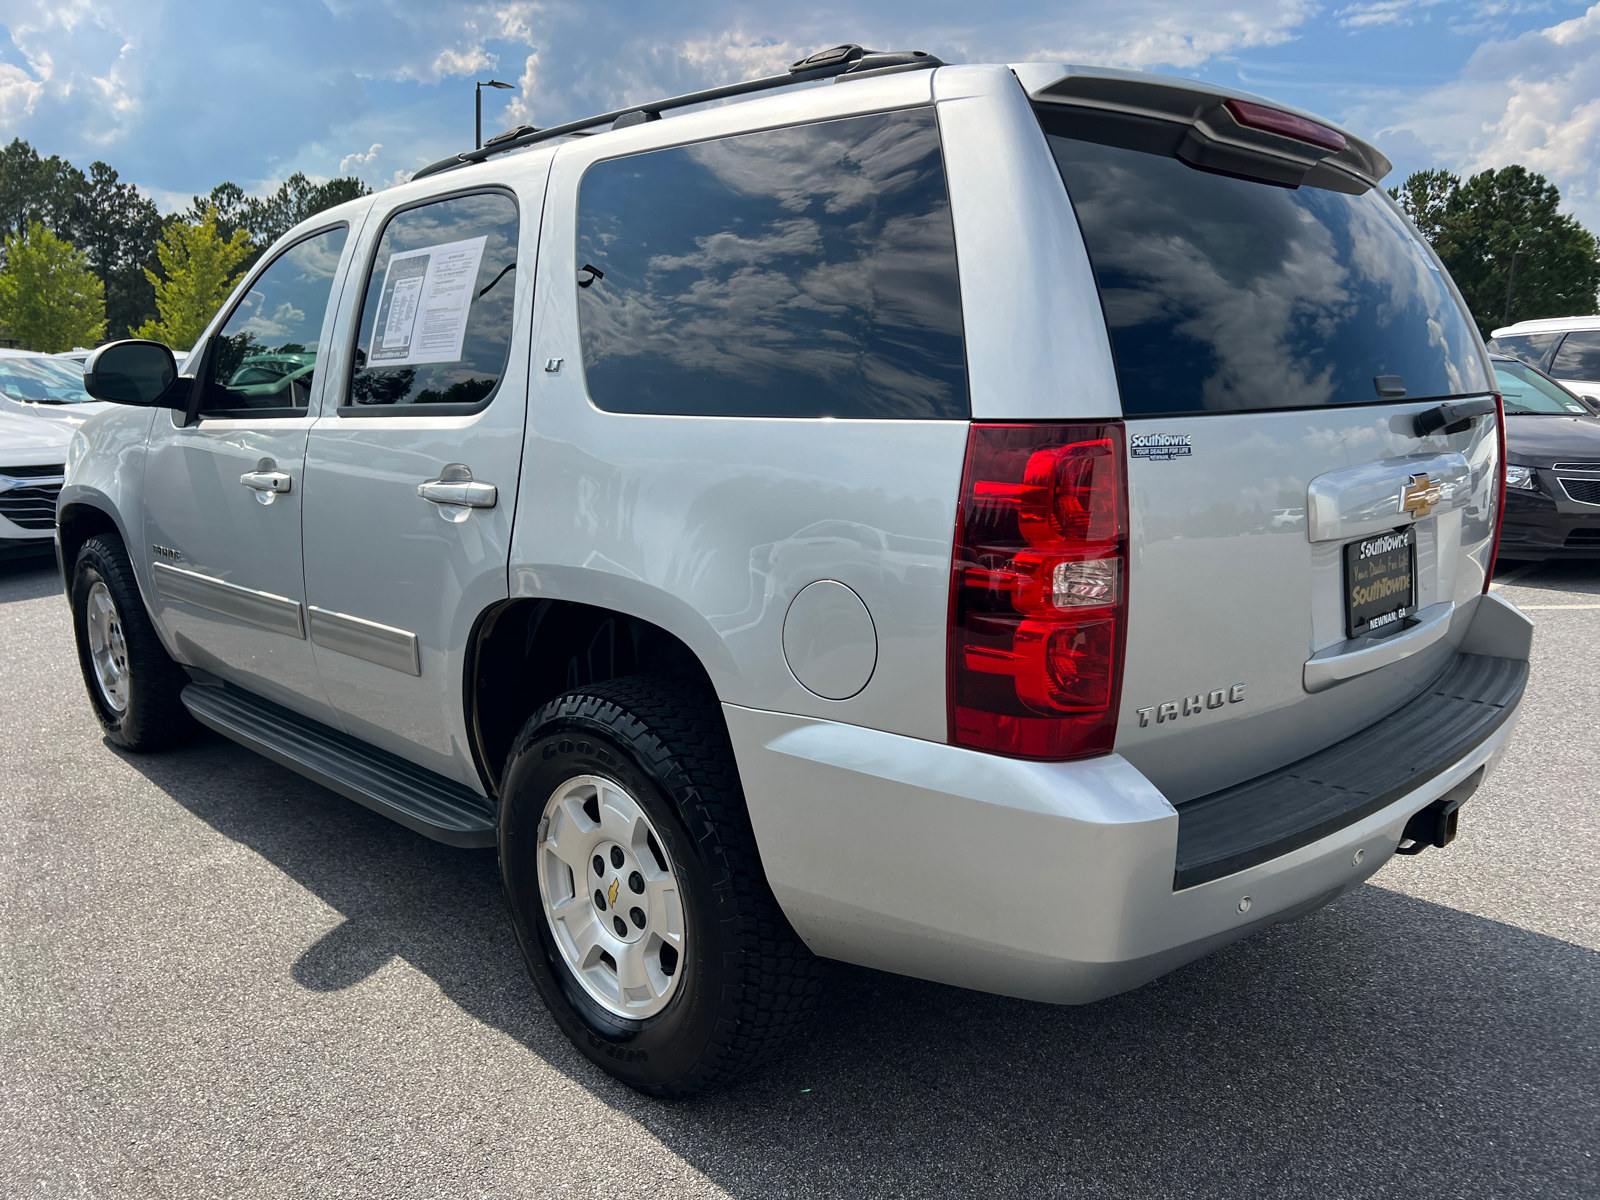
[(826, 64)]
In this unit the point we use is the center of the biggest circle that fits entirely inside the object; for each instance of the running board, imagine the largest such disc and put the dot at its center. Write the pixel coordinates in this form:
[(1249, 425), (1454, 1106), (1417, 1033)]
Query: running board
[(417, 798)]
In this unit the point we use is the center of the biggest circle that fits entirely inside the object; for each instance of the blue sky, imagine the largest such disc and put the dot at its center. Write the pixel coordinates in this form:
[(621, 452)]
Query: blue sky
[(179, 95)]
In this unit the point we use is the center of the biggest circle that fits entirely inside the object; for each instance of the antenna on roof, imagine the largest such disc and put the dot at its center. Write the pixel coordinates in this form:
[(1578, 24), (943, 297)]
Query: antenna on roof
[(849, 61)]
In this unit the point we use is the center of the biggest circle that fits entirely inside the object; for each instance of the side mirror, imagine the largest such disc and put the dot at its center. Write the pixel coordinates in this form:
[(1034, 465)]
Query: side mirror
[(136, 372)]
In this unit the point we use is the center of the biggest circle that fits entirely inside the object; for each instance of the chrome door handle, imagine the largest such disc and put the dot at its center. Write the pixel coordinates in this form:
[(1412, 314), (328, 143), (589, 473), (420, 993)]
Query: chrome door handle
[(455, 485), (267, 481)]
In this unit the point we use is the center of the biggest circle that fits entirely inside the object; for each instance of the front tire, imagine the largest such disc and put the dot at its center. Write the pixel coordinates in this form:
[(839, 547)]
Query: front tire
[(637, 892), (134, 686)]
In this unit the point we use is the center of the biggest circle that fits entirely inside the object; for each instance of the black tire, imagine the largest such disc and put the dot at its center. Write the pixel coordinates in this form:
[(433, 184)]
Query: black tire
[(748, 983), (153, 717)]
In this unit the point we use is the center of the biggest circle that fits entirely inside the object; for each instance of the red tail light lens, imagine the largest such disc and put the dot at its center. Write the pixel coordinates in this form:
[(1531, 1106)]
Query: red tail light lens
[(1499, 488), (1038, 601)]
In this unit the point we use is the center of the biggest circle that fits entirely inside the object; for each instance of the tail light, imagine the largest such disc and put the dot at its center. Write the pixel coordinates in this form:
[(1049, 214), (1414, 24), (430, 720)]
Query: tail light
[(1038, 606), (1499, 488)]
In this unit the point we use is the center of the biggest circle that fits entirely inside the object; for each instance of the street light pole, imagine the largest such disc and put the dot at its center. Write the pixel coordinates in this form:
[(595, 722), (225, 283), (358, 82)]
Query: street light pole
[(1511, 281), (477, 98)]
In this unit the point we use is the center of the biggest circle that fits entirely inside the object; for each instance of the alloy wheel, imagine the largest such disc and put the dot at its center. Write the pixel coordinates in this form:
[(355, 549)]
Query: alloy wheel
[(610, 897), (108, 649)]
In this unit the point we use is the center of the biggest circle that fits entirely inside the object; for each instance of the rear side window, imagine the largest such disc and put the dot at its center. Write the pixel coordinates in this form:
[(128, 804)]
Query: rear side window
[(436, 320), (1579, 357), (1531, 348), (1224, 294), (801, 272)]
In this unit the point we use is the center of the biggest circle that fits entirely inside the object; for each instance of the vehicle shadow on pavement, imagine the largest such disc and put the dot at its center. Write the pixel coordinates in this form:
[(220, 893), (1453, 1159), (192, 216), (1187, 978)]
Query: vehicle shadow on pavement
[(30, 578), (1554, 575), (1382, 1046)]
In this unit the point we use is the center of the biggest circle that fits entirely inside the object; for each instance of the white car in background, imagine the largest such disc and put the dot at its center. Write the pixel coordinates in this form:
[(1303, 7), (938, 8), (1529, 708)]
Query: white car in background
[(33, 461), (45, 385), (1565, 348)]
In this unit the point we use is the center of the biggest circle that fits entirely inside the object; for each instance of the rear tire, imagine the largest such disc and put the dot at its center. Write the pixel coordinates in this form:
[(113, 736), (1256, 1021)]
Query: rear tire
[(134, 686), (733, 983)]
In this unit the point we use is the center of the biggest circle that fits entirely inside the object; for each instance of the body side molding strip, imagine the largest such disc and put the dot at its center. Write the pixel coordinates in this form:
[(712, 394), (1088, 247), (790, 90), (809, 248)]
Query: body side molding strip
[(381, 644), (263, 609)]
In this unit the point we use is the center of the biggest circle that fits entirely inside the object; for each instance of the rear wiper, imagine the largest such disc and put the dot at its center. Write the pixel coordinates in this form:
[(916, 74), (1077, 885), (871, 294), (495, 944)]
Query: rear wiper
[(1453, 416)]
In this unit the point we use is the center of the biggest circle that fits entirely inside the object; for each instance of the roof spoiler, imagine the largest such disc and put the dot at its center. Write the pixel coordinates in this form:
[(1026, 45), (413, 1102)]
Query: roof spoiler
[(1216, 129)]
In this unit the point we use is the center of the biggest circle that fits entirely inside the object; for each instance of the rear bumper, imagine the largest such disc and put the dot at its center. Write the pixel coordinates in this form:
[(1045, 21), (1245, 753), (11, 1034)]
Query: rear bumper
[(1048, 881)]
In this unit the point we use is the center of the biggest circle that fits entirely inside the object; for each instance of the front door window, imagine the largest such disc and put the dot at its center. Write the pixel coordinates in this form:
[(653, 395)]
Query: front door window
[(265, 359)]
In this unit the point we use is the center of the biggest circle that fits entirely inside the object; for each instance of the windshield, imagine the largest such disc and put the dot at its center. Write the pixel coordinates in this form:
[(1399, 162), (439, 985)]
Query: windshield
[(1226, 294), (43, 380), (1526, 391)]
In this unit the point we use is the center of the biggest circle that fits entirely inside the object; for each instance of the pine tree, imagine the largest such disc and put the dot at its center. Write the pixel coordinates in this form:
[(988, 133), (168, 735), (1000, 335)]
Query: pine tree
[(50, 298), (267, 218), (201, 268), (118, 228), (1501, 234)]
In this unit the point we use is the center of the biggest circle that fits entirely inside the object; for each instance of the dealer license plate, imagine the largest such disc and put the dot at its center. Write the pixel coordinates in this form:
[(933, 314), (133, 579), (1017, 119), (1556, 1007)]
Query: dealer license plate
[(1380, 589)]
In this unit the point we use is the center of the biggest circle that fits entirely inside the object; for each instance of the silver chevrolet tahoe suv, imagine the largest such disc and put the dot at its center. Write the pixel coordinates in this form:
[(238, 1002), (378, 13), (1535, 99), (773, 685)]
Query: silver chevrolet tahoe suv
[(1023, 527)]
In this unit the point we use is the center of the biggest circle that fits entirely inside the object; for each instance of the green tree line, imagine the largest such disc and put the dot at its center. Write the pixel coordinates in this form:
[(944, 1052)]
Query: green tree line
[(85, 257), (1501, 235)]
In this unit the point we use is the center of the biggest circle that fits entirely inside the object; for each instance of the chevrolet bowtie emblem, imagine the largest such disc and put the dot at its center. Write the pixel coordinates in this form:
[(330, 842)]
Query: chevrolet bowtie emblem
[(1418, 496), (611, 896)]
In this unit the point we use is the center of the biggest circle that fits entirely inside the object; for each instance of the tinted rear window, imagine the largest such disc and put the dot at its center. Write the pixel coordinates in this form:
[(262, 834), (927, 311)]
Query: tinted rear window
[(1223, 294), (801, 272), (1531, 348), (1579, 357)]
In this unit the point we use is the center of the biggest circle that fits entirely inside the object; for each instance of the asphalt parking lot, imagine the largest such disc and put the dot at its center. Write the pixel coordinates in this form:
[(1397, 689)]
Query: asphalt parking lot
[(218, 979)]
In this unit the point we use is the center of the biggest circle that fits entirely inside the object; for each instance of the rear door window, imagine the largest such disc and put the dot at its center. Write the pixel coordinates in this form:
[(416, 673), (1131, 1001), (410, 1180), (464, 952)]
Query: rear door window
[(1227, 295), (436, 319), (1579, 356), (800, 272)]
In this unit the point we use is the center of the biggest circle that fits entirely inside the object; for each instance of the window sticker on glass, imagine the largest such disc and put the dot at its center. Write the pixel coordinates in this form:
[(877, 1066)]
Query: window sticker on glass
[(427, 294)]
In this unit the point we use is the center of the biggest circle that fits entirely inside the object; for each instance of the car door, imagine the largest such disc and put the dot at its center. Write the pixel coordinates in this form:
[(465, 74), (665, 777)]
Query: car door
[(411, 473), (223, 492)]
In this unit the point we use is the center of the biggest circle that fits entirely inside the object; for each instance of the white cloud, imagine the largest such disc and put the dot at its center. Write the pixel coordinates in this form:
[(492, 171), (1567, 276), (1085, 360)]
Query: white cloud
[(354, 162), (1533, 100), (1384, 12), (95, 77), (19, 92), (1137, 35)]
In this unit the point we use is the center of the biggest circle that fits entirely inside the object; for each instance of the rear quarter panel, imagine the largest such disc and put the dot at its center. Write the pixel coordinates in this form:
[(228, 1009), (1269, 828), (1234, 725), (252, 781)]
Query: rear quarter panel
[(709, 526)]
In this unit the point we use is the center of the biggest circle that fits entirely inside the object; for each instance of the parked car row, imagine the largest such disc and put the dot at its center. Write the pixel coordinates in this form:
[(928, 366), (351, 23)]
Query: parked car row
[(1552, 466), (1564, 348), (42, 401)]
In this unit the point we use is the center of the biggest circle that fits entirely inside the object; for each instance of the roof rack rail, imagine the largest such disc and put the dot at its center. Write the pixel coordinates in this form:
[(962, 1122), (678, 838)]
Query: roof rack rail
[(851, 60)]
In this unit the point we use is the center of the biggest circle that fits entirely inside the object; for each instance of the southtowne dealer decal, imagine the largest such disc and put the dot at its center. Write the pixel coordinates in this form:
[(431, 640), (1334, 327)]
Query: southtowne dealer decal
[(1161, 445)]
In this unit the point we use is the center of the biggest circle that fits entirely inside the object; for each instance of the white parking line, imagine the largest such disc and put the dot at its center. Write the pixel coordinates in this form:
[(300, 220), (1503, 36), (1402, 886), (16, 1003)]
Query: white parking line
[(1533, 606), (1510, 576)]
